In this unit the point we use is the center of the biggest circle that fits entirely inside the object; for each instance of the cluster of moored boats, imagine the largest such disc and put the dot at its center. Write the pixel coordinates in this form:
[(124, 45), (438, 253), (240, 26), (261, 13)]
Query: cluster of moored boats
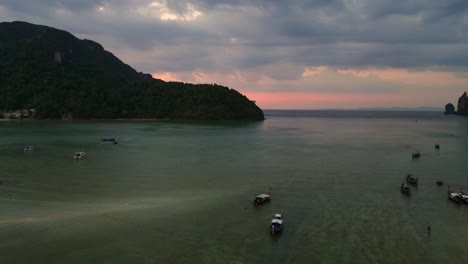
[(458, 197), (276, 225), (410, 180)]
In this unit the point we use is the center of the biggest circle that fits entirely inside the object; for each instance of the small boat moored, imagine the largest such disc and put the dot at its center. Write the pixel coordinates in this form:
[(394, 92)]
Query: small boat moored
[(437, 146), (411, 179), (79, 155), (277, 224), (463, 196), (439, 183), (415, 155), (109, 139), (28, 149), (455, 197), (261, 199), (404, 188)]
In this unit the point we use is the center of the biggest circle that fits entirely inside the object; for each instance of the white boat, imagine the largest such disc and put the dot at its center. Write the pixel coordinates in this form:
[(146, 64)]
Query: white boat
[(28, 149), (458, 197), (277, 224), (463, 196), (261, 198), (455, 196), (79, 155)]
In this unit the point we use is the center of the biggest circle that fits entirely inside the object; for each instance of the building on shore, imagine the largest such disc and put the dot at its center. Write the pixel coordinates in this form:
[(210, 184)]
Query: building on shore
[(19, 114)]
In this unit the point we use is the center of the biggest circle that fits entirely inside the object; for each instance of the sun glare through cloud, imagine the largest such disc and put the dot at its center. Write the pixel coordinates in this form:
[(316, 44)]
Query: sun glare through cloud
[(161, 9)]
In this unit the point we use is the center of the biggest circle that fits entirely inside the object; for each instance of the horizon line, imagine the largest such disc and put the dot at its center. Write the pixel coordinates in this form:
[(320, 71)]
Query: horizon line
[(422, 109)]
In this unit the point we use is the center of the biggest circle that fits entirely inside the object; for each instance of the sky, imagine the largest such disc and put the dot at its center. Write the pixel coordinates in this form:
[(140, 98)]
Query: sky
[(283, 54)]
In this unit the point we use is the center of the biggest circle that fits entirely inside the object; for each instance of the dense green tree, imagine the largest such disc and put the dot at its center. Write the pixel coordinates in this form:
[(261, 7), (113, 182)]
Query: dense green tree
[(61, 76)]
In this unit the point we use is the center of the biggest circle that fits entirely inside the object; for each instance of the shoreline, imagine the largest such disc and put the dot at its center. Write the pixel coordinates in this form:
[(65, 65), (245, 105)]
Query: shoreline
[(129, 119), (72, 120)]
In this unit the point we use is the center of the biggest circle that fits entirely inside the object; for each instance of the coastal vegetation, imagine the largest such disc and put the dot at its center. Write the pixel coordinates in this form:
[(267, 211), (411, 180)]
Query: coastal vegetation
[(63, 77)]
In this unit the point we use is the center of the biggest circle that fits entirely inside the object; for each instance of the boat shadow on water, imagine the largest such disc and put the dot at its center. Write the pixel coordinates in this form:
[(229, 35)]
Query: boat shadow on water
[(276, 238)]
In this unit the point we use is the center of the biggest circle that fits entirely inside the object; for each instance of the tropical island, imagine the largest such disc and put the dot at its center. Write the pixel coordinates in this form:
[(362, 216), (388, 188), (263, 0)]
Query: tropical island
[(462, 106), (47, 73)]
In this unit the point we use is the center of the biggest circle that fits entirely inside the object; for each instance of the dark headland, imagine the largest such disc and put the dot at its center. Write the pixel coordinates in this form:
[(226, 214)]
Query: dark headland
[(48, 73), (462, 107)]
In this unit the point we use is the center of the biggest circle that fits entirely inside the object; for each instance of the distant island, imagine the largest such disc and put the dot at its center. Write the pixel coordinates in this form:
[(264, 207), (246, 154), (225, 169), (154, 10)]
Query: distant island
[(421, 108), (47, 73), (462, 107)]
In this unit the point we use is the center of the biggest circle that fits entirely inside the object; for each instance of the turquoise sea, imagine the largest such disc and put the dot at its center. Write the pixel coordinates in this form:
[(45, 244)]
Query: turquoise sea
[(181, 192)]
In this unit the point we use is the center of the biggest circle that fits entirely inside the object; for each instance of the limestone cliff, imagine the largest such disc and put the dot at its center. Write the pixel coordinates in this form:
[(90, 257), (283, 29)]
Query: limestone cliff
[(462, 107)]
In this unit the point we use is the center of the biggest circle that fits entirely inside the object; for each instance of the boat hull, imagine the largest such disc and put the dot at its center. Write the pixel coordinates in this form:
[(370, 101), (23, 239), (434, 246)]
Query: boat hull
[(276, 230)]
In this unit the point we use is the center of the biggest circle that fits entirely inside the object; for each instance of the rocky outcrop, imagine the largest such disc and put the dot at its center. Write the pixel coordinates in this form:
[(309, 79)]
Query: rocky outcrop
[(462, 108), (449, 109)]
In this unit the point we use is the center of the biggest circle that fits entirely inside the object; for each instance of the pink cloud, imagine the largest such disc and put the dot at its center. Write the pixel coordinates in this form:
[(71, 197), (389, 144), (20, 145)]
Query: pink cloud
[(322, 87), (320, 100), (423, 78)]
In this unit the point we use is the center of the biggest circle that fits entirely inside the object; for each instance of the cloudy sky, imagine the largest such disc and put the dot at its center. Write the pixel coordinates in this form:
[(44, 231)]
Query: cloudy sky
[(284, 54)]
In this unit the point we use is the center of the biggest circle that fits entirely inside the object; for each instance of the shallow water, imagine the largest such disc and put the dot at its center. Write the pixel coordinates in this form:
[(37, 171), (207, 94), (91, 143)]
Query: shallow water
[(180, 192)]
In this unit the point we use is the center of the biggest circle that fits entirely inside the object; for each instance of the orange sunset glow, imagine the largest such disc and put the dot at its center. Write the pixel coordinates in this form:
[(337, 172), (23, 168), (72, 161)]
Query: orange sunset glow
[(314, 88)]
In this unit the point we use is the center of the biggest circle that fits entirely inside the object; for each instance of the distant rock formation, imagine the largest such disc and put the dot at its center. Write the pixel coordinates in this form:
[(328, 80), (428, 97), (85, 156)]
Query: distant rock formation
[(449, 109), (462, 108)]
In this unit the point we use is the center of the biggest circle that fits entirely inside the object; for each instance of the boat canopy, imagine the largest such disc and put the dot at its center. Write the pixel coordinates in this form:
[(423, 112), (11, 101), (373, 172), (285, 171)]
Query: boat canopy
[(263, 196), (277, 221)]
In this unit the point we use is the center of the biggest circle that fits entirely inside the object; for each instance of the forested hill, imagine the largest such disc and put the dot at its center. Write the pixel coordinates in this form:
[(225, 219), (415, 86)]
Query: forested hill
[(61, 76)]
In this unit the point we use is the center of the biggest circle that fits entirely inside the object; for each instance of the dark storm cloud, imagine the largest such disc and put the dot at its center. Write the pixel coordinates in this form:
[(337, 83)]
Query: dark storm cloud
[(34, 6), (252, 33)]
